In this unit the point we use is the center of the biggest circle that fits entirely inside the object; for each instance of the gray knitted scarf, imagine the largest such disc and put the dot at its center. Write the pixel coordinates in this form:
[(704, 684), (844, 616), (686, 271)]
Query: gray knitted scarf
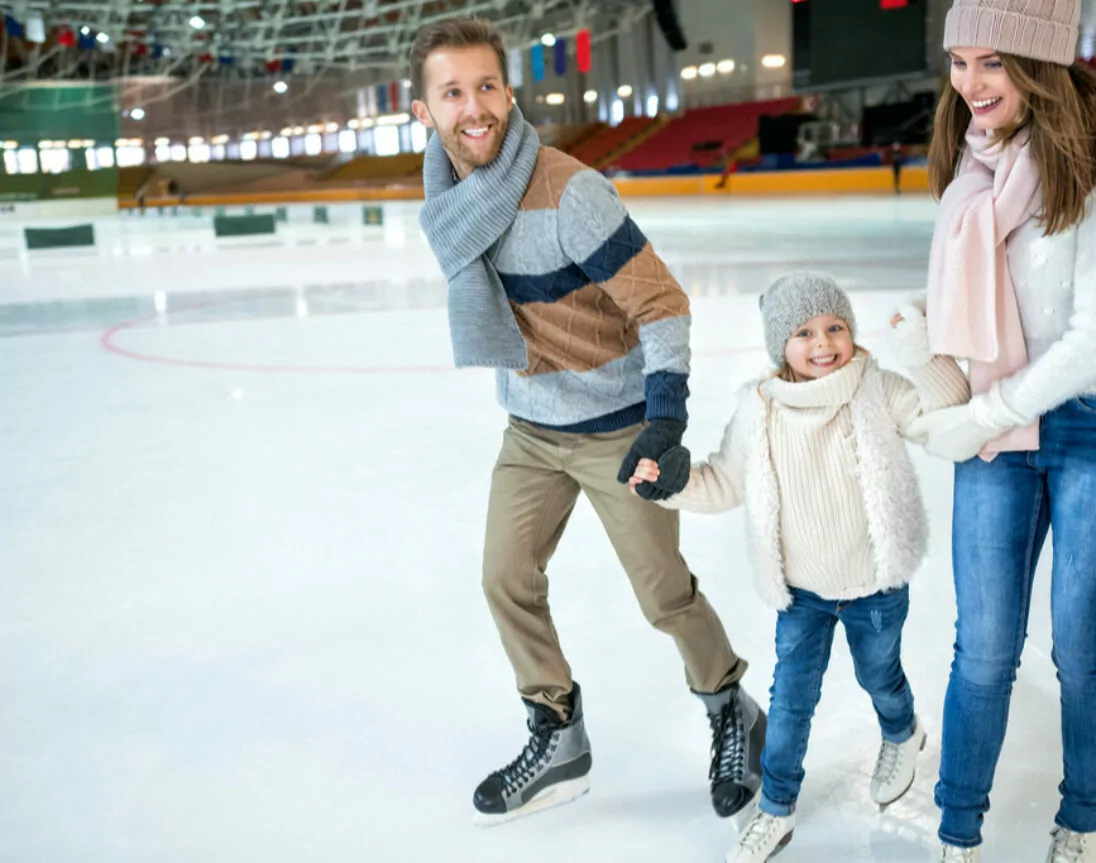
[(462, 220)]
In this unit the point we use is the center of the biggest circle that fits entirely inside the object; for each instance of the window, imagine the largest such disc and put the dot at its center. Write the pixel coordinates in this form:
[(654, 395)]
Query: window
[(130, 156), (249, 150), (419, 137), (198, 153), (348, 141), (313, 144), (280, 148), (28, 160), (55, 160), (387, 140)]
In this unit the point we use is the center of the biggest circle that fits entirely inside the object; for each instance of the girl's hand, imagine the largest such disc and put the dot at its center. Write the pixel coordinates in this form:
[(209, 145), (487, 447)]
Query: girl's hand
[(646, 471)]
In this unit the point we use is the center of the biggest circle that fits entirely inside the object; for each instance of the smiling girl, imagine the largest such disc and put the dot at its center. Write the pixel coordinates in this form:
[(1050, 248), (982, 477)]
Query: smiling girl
[(835, 522)]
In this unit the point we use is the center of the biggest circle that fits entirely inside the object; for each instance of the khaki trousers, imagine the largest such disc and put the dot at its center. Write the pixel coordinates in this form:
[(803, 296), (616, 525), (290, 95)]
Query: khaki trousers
[(534, 487)]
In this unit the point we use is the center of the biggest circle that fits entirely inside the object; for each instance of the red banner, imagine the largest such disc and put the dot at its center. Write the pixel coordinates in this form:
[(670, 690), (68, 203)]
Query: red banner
[(583, 54)]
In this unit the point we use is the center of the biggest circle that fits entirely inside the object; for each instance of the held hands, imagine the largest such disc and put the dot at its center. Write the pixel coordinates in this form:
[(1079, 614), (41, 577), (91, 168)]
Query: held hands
[(959, 433), (660, 444), (649, 473)]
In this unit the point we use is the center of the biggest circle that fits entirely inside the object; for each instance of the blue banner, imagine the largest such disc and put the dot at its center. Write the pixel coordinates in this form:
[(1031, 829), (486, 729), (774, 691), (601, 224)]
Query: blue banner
[(537, 58), (561, 57)]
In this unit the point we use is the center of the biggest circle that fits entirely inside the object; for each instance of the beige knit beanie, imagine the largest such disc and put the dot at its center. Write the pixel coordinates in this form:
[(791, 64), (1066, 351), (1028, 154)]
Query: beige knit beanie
[(1039, 29)]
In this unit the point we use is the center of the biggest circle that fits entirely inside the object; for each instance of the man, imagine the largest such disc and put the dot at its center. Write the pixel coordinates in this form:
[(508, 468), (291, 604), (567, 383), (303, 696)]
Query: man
[(552, 284)]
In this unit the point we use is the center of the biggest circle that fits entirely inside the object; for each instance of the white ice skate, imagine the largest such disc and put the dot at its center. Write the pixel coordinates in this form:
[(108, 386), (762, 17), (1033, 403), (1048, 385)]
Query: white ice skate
[(955, 854), (895, 767), (1070, 847), (765, 836)]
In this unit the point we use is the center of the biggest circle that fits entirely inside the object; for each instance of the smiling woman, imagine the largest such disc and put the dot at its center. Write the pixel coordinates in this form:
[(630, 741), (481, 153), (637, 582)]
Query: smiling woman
[(1003, 94), (1012, 289)]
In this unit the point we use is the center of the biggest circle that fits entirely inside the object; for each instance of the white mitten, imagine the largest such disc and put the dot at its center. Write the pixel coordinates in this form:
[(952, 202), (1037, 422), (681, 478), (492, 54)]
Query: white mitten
[(959, 433), (909, 339)]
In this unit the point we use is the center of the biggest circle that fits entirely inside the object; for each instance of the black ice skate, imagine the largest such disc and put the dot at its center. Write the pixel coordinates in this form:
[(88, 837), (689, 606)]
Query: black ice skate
[(738, 736), (552, 769)]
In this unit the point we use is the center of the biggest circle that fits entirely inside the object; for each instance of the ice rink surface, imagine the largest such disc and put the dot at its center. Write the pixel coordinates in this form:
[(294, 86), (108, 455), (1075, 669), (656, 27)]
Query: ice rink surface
[(240, 534)]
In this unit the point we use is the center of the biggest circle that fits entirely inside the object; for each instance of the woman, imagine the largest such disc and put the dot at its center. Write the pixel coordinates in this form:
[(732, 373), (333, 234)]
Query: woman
[(1012, 288)]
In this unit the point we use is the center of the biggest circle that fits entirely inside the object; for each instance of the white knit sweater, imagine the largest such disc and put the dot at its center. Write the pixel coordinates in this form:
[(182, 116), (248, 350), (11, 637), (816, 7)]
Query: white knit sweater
[(1055, 283), (832, 499)]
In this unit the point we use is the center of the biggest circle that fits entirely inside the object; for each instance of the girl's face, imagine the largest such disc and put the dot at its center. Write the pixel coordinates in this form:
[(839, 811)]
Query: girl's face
[(979, 76), (818, 348)]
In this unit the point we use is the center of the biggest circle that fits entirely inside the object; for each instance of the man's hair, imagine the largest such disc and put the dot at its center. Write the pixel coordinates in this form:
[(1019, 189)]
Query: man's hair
[(454, 33)]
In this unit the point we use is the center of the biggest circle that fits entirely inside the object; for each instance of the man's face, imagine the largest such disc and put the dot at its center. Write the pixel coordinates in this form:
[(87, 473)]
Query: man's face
[(466, 103)]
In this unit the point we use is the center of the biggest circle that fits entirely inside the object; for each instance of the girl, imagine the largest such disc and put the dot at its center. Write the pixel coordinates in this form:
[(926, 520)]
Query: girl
[(835, 522), (1012, 288)]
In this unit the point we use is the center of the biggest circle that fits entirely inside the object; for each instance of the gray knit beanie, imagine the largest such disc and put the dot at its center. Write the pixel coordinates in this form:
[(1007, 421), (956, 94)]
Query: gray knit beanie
[(1039, 29), (794, 299)]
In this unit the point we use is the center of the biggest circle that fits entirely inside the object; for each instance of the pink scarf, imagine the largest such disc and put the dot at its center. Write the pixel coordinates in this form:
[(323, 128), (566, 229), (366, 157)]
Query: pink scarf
[(972, 311)]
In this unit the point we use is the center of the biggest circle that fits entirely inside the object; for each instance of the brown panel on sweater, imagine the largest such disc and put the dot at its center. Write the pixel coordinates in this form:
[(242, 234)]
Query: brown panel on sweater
[(646, 289), (554, 169), (583, 331)]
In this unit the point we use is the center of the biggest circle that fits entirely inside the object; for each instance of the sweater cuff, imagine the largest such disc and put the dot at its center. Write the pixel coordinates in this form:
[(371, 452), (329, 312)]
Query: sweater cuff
[(666, 394)]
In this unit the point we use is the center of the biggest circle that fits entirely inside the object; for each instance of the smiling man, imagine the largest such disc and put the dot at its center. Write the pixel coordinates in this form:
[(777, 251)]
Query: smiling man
[(552, 284)]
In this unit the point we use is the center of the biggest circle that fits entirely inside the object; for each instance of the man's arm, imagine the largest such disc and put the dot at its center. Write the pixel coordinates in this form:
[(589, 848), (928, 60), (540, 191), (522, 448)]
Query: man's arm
[(599, 236)]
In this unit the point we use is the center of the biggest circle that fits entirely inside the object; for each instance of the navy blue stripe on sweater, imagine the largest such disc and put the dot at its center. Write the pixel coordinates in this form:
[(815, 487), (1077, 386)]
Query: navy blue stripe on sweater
[(608, 260), (614, 254), (611, 422)]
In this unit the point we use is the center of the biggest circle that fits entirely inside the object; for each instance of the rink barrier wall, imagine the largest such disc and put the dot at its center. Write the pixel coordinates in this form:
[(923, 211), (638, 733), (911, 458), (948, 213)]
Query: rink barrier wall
[(824, 181)]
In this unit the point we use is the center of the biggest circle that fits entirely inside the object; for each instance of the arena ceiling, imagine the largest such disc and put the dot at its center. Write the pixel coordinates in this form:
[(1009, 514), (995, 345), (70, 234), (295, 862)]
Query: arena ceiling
[(233, 39)]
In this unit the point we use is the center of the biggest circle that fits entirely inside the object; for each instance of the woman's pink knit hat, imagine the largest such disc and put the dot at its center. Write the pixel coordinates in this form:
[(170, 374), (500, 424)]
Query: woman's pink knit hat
[(1039, 29)]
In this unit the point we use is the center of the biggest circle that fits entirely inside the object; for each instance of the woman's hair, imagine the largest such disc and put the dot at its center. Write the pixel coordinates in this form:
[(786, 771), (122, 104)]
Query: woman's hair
[(1058, 109)]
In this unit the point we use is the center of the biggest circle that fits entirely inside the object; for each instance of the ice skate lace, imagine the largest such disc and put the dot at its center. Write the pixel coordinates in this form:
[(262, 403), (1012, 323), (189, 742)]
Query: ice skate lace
[(886, 766), (728, 744), (758, 832), (519, 772), (1068, 847), (952, 854)]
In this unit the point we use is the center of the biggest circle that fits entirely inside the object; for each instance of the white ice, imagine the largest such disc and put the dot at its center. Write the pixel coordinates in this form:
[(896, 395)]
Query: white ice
[(240, 535)]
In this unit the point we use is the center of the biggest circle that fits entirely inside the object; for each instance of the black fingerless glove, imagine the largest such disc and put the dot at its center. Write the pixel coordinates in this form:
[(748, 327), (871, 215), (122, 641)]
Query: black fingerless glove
[(660, 442)]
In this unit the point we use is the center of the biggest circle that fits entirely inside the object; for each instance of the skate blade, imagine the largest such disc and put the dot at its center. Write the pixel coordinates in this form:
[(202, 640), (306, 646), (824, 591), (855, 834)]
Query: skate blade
[(884, 806), (555, 795)]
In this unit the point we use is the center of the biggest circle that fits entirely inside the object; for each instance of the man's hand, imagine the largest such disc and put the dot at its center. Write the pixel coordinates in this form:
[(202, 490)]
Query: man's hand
[(660, 443)]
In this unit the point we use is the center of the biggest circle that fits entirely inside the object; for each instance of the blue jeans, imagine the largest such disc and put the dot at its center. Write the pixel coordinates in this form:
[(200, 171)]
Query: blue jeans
[(1003, 509), (804, 635)]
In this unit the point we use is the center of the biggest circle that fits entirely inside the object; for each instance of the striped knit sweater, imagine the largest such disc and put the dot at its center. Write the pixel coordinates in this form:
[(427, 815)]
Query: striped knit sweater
[(605, 323)]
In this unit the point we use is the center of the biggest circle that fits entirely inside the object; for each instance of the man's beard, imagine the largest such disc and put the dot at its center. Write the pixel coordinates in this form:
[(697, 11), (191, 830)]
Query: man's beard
[(455, 142)]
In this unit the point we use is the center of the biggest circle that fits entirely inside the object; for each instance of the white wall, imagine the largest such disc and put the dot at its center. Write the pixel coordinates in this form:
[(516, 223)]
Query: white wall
[(739, 30)]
